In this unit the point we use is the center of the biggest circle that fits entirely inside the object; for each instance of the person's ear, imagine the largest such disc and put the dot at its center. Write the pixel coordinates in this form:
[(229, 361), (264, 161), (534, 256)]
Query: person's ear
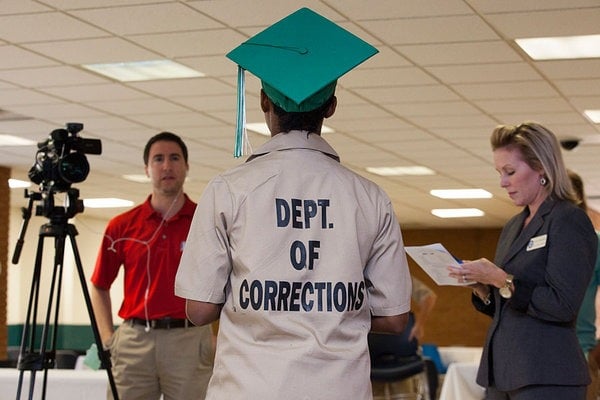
[(265, 102), (331, 109)]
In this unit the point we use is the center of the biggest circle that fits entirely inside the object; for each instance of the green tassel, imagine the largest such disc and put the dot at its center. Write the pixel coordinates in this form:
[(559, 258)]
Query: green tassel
[(241, 136)]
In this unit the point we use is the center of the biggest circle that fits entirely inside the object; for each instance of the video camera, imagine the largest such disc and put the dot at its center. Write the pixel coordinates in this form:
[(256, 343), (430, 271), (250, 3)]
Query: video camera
[(60, 159)]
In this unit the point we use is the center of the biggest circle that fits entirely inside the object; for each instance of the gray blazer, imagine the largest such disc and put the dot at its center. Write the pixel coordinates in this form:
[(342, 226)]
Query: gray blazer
[(532, 340)]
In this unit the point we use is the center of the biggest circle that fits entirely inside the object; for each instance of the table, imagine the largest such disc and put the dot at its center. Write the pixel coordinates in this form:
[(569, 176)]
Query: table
[(63, 384), (459, 382), (452, 354)]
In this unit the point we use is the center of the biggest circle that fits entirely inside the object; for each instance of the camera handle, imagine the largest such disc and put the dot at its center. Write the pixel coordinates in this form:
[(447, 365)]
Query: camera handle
[(43, 358), (26, 212)]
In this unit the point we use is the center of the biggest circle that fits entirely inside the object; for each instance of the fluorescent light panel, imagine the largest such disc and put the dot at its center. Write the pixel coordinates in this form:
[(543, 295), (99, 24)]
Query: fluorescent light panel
[(457, 212), (593, 115), (18, 184), (560, 48), (10, 140), (415, 170), (262, 129), (106, 203), (144, 70), (461, 193)]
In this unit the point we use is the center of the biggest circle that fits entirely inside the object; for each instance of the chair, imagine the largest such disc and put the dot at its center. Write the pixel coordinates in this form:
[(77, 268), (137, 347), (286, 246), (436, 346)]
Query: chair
[(395, 358), (65, 359)]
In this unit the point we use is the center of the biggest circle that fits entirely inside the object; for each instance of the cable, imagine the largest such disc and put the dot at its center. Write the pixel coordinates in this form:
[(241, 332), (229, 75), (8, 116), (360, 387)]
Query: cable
[(148, 251)]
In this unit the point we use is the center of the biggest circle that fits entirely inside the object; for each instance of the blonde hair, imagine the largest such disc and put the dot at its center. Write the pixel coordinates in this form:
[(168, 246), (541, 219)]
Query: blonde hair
[(541, 151)]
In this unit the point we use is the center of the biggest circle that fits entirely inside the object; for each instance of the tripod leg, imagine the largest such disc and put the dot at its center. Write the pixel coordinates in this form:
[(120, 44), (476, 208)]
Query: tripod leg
[(49, 357), (103, 355), (29, 359)]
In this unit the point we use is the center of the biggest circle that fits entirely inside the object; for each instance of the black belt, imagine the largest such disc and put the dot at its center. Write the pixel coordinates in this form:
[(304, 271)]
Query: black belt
[(163, 323)]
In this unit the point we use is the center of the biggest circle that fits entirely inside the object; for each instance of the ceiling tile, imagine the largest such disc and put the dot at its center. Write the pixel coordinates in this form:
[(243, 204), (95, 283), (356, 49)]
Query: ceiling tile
[(193, 43), (92, 51), (397, 31), (147, 18), (563, 22), (50, 76), (14, 57), (459, 53), (48, 27)]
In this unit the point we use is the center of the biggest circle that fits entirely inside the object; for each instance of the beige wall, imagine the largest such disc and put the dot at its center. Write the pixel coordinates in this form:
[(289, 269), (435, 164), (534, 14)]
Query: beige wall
[(454, 321)]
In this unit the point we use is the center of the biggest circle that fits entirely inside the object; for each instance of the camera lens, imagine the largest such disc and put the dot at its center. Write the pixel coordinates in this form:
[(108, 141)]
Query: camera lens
[(73, 168)]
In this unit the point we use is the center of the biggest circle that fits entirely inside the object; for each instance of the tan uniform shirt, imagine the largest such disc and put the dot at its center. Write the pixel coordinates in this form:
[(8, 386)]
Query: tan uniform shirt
[(302, 251)]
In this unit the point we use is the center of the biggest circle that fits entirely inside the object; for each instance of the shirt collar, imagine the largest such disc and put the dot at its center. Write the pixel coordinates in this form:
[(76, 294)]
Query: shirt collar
[(187, 209), (296, 140)]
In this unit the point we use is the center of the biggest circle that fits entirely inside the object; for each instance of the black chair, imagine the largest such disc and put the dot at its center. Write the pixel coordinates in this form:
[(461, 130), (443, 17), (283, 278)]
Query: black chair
[(395, 358), (66, 359)]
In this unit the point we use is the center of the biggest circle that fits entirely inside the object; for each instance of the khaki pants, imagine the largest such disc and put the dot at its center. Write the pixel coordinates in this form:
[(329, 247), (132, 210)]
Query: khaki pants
[(176, 363)]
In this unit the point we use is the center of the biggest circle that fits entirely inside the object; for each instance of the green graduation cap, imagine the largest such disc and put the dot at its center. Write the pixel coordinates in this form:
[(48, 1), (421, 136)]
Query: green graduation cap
[(299, 60)]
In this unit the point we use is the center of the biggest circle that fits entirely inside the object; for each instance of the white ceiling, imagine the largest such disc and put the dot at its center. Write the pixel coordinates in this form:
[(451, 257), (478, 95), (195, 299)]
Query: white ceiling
[(448, 72)]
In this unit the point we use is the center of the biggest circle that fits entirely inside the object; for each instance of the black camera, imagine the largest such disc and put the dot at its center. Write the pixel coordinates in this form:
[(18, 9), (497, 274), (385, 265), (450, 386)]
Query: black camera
[(60, 159)]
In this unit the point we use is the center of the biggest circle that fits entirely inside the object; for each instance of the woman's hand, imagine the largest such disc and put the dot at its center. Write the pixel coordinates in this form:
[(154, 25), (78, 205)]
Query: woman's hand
[(480, 271)]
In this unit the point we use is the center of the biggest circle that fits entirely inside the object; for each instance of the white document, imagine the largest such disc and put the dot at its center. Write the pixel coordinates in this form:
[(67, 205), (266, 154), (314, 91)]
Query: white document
[(435, 260)]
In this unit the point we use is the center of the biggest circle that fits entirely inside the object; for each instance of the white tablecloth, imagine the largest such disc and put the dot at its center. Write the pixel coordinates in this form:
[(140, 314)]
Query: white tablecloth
[(61, 384), (459, 382), (453, 354)]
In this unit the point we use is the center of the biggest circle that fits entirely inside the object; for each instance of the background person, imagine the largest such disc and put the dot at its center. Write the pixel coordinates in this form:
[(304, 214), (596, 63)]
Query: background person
[(423, 299), (156, 350), (298, 255), (586, 319), (535, 286)]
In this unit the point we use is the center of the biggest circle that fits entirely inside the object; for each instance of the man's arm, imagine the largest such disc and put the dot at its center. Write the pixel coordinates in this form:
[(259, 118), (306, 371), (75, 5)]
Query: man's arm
[(103, 312), (202, 313), (392, 324)]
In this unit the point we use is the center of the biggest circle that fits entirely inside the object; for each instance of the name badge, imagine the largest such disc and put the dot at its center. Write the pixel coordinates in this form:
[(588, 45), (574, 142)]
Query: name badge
[(537, 242)]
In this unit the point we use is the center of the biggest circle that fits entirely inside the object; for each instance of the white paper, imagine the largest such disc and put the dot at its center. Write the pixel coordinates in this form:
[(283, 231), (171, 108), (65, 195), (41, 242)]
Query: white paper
[(435, 260)]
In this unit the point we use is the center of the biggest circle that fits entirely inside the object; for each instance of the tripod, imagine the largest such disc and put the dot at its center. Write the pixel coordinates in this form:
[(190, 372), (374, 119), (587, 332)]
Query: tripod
[(40, 355)]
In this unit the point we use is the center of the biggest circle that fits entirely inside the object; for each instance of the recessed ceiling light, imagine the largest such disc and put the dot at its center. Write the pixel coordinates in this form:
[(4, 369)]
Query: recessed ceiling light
[(262, 129), (593, 115), (10, 140), (457, 212), (106, 203), (560, 48), (396, 171), (144, 70), (461, 193), (136, 178), (18, 184)]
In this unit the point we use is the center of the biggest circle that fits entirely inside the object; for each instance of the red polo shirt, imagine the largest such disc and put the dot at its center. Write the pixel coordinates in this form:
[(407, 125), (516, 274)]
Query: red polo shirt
[(149, 250)]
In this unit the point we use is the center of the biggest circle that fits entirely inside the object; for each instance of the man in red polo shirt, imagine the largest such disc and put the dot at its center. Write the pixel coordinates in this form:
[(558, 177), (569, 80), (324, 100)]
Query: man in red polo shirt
[(156, 350)]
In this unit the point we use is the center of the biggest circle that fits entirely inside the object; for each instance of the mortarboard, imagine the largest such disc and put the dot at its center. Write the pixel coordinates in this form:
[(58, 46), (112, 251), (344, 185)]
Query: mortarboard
[(298, 61)]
